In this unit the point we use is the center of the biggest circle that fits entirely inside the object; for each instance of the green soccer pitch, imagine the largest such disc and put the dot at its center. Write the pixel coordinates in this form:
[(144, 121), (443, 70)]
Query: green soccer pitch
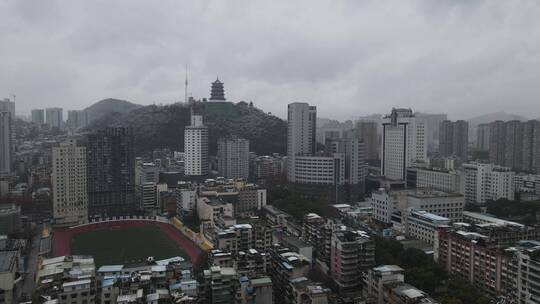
[(125, 245)]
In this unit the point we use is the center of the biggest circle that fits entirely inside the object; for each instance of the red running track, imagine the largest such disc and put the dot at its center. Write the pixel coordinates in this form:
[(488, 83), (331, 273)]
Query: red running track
[(62, 236)]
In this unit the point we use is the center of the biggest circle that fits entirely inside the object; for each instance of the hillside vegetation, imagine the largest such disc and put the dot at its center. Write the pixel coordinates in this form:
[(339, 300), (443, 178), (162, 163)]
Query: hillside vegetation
[(163, 126)]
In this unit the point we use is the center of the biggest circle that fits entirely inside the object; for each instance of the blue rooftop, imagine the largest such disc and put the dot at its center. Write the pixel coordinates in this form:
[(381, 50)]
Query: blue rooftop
[(111, 268)]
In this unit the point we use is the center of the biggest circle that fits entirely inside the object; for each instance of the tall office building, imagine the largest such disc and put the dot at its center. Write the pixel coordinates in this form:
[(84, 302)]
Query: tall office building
[(54, 117), (482, 137), (353, 151), (111, 172), (367, 132), (217, 93), (38, 116), (6, 143), (432, 123), (301, 127), (77, 119), (196, 147), (355, 161), (403, 143), (70, 192), (328, 174), (7, 105), (233, 157), (454, 138)]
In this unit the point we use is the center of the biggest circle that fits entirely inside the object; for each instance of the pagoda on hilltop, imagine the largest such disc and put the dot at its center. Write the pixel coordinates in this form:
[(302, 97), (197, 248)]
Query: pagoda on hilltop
[(217, 93)]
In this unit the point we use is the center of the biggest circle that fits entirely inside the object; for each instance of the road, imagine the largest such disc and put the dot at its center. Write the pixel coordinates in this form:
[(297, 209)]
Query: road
[(29, 280)]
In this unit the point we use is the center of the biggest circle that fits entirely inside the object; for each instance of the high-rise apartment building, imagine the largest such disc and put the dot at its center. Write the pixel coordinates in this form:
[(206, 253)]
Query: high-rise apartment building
[(54, 117), (6, 143), (403, 143), (367, 132), (77, 119), (515, 144), (497, 133), (482, 137), (70, 192), (111, 172), (196, 147), (38, 116), (454, 138), (483, 182), (7, 105), (531, 146), (233, 157)]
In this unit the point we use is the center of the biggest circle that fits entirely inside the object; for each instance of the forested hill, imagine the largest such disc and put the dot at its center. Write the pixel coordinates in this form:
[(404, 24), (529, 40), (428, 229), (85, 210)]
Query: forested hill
[(163, 126)]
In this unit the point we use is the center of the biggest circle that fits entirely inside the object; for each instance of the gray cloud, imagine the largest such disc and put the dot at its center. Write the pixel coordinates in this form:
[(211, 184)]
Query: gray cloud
[(349, 58)]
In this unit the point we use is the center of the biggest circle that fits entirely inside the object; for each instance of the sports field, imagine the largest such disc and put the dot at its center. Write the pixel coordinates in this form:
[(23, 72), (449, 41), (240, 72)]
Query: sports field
[(115, 245)]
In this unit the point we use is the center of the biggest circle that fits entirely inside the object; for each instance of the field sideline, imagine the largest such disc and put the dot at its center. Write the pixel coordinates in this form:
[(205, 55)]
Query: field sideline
[(62, 239)]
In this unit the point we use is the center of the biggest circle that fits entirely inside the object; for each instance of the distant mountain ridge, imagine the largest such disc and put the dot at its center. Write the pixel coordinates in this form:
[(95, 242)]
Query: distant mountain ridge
[(163, 126), (110, 105), (487, 118)]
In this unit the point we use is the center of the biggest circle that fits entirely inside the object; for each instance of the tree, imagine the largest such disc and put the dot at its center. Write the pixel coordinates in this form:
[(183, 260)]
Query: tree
[(472, 208), (450, 300), (422, 278), (480, 155), (387, 251), (423, 273)]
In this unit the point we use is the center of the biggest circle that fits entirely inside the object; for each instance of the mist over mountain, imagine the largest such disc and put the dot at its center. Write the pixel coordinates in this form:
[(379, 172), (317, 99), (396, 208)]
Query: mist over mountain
[(110, 105), (487, 118)]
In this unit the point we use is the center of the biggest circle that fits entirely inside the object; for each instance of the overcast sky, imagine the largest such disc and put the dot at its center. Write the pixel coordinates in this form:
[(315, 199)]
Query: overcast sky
[(349, 58)]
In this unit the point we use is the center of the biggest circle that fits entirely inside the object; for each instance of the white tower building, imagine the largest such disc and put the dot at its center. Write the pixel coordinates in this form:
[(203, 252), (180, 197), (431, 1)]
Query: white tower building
[(403, 143), (301, 129), (483, 182), (70, 191), (196, 147), (7, 105)]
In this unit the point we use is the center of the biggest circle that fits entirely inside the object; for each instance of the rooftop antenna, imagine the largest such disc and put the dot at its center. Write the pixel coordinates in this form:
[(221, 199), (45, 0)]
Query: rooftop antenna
[(186, 86), (186, 96)]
